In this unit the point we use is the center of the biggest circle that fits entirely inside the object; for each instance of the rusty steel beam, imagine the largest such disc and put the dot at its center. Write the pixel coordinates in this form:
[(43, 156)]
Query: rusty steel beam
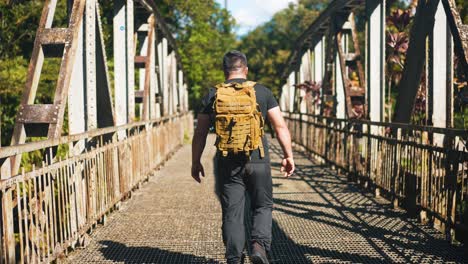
[(416, 56), (151, 6), (69, 37), (314, 33), (459, 33), (9, 151)]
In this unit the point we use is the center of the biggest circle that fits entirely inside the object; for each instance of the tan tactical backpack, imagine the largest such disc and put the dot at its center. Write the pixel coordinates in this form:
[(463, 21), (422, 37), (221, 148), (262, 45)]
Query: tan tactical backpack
[(238, 122)]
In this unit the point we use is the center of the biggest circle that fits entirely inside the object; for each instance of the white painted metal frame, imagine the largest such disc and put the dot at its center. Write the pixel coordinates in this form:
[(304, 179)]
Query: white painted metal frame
[(340, 100), (376, 59), (440, 73), (121, 47), (319, 67)]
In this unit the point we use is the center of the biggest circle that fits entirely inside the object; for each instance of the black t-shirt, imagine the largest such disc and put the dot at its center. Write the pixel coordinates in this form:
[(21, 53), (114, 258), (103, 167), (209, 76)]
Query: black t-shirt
[(265, 100)]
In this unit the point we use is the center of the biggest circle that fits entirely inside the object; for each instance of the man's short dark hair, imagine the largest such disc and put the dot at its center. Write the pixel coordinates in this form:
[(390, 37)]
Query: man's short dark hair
[(234, 60)]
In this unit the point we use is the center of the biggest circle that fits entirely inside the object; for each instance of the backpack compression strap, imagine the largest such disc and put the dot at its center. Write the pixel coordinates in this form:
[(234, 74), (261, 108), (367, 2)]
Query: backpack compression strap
[(247, 85)]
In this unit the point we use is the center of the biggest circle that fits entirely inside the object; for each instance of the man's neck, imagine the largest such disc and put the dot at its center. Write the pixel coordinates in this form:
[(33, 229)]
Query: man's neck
[(231, 77)]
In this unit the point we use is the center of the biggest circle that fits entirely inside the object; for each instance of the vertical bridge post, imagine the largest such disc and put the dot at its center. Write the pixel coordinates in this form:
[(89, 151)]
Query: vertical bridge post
[(440, 73), (319, 68), (375, 10), (375, 79), (124, 62)]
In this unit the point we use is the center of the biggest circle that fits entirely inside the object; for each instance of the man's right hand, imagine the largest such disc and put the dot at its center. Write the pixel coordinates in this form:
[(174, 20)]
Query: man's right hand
[(287, 167), (197, 169)]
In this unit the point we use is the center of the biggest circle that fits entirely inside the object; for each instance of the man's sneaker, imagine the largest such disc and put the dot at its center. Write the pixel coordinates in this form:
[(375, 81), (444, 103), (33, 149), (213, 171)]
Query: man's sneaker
[(258, 254)]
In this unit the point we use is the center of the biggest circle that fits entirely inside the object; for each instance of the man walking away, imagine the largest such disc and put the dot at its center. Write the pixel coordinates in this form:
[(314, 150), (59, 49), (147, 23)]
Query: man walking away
[(237, 108)]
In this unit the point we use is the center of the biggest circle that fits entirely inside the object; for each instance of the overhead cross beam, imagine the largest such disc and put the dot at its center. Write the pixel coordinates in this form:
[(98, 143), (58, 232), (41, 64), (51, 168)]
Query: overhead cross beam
[(459, 32), (314, 33)]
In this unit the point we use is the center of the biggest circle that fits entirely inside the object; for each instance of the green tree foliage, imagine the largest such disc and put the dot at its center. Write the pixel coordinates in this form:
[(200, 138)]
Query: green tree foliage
[(204, 32), (462, 6), (268, 46)]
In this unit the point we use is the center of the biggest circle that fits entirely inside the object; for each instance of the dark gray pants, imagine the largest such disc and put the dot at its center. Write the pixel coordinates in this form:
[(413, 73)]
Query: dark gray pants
[(235, 178)]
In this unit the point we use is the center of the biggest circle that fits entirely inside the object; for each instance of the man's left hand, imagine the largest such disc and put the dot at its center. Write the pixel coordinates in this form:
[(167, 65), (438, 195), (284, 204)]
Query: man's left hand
[(197, 169)]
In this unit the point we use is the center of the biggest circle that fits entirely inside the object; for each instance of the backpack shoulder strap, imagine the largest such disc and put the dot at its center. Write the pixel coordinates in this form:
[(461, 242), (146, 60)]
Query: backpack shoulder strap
[(249, 84), (221, 85)]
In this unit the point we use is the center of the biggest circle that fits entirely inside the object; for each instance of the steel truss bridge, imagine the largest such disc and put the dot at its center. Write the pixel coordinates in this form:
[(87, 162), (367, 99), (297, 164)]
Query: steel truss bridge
[(367, 190)]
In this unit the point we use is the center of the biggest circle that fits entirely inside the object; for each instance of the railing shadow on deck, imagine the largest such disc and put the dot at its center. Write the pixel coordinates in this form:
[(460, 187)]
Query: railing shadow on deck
[(54, 205), (390, 233), (423, 169)]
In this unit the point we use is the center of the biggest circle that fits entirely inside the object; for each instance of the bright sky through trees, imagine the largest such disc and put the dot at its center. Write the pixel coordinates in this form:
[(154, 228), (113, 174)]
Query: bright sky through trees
[(251, 13)]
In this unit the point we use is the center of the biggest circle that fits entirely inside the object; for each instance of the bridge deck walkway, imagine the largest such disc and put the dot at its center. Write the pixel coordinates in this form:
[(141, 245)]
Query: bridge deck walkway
[(318, 217)]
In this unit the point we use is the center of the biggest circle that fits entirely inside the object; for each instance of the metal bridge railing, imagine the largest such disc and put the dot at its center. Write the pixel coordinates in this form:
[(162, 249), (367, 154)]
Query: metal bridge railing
[(424, 169), (54, 206)]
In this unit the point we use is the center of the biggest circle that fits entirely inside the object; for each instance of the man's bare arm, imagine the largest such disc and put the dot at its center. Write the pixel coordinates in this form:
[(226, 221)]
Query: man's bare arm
[(198, 145), (284, 138)]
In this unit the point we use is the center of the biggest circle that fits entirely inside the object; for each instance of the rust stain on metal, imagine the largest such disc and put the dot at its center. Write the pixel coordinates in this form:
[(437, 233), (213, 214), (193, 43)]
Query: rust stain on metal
[(459, 32), (46, 113), (55, 36)]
